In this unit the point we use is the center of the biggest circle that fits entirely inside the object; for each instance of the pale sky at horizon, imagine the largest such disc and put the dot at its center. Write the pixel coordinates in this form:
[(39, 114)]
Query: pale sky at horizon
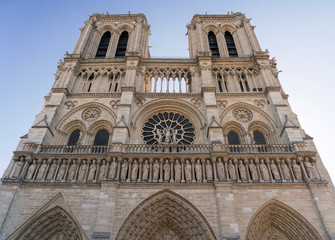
[(299, 34)]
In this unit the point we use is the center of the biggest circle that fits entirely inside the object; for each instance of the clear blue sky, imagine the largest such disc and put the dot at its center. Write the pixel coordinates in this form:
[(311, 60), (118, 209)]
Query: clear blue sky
[(300, 34)]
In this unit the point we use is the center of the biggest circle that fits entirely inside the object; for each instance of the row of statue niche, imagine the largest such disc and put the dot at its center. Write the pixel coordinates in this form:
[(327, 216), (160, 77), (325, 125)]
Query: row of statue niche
[(162, 170), (168, 133)]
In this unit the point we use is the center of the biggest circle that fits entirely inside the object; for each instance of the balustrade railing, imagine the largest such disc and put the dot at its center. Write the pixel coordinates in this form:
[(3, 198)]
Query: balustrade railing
[(171, 148)]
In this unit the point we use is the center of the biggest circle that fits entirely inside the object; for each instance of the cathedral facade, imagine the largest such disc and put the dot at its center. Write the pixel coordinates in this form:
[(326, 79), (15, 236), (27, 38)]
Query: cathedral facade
[(132, 147)]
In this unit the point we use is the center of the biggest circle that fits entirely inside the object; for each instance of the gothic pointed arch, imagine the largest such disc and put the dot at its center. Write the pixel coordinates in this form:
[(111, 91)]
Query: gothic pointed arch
[(276, 219), (165, 213), (54, 220)]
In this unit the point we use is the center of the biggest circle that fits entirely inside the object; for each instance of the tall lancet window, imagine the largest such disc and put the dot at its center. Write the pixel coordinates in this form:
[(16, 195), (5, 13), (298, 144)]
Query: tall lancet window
[(230, 44), (122, 45), (101, 138), (213, 45), (103, 45)]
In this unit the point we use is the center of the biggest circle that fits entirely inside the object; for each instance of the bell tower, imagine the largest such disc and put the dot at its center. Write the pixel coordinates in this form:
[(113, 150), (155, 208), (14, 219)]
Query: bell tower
[(128, 146)]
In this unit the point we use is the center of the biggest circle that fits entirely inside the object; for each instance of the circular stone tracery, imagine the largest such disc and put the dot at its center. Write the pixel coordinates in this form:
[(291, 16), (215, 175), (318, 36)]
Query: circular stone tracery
[(168, 128), (242, 115), (91, 114)]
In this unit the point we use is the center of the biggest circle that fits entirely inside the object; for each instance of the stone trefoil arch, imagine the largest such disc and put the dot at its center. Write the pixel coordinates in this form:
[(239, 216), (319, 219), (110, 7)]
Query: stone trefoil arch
[(165, 211)]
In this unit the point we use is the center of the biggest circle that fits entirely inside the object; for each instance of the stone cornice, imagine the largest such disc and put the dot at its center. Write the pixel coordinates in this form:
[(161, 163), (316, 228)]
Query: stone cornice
[(117, 17), (168, 95), (94, 95), (227, 17), (244, 94), (60, 90)]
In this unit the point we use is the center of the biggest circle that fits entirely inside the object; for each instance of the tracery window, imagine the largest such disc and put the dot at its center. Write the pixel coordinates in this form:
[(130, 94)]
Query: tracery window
[(101, 138), (222, 83), (213, 45), (259, 138), (122, 45), (230, 44), (103, 45), (233, 138), (168, 128), (74, 137)]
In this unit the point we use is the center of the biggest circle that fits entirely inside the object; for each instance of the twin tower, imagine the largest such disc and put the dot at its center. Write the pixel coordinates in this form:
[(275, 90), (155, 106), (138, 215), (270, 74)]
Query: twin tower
[(132, 147)]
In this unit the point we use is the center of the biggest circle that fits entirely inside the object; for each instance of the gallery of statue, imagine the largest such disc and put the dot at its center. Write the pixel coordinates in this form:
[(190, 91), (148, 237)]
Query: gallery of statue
[(132, 147)]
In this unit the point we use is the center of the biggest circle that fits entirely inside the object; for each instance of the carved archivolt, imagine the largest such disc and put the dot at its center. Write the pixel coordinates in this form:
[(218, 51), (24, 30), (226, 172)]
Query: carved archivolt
[(277, 219), (165, 213), (52, 221)]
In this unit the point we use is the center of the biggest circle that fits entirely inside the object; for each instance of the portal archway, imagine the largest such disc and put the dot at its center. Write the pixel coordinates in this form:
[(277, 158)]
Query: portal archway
[(54, 224), (165, 214), (276, 220)]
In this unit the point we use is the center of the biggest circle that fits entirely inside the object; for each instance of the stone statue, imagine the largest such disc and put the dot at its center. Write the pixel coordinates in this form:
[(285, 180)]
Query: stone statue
[(231, 170), (166, 169), (61, 172), (198, 171), (174, 136), (155, 170), (124, 168), (159, 136), (17, 169), (264, 171), (253, 171), (80, 139), (51, 171), (285, 171), (209, 171), (188, 171), (102, 171), (41, 171), (31, 170), (297, 170), (145, 171), (177, 171), (167, 135), (91, 172), (275, 171), (82, 171), (134, 170), (112, 170), (310, 170), (243, 174), (72, 171), (221, 173)]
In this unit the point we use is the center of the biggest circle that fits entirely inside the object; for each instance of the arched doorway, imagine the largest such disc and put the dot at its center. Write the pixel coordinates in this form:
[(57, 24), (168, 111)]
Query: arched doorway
[(165, 215), (54, 224), (275, 220)]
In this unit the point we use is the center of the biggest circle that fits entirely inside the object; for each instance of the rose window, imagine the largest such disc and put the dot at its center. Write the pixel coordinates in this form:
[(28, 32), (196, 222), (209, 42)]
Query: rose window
[(168, 128)]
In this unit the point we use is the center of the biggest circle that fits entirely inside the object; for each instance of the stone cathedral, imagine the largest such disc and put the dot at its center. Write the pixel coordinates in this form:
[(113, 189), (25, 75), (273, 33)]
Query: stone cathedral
[(129, 147)]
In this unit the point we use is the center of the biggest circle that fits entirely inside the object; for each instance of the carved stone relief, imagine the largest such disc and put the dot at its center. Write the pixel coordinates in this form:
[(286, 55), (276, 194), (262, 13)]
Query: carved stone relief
[(242, 114), (91, 114)]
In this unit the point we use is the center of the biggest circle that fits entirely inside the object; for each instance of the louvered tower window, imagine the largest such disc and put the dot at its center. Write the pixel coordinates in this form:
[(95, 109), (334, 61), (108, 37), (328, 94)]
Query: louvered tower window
[(101, 139), (230, 44), (213, 45), (103, 45), (122, 45)]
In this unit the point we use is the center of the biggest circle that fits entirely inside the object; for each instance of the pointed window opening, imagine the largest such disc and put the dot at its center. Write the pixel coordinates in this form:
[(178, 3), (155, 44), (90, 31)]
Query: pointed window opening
[(213, 45), (233, 138), (101, 139), (74, 137), (122, 45), (103, 45), (259, 138), (230, 44)]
